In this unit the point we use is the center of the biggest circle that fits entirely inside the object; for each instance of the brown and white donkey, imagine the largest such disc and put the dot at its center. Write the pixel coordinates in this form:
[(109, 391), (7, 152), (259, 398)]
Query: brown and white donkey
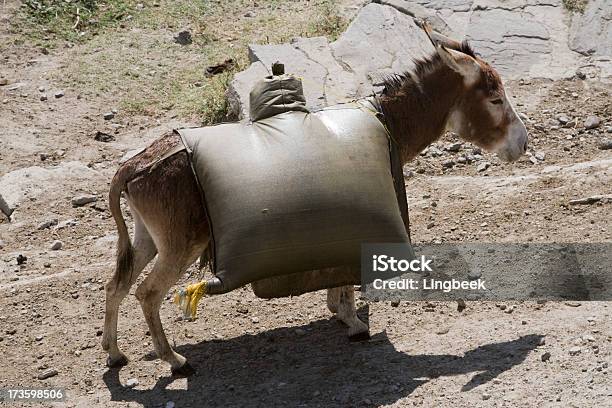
[(452, 89)]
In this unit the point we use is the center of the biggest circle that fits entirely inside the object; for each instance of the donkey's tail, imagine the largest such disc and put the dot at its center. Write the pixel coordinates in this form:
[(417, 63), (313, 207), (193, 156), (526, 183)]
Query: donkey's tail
[(125, 251)]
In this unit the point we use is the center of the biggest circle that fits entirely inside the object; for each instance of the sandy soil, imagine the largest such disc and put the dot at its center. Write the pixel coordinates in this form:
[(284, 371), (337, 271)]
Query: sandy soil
[(291, 352)]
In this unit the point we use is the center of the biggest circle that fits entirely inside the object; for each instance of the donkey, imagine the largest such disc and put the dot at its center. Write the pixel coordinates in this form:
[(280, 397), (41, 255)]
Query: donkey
[(452, 89)]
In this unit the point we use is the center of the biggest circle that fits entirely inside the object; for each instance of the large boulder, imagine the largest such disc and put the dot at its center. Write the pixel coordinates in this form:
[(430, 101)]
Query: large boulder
[(520, 38), (33, 182)]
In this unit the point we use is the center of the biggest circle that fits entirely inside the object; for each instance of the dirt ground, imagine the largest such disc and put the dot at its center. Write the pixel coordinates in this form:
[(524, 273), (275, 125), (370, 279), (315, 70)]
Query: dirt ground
[(291, 352)]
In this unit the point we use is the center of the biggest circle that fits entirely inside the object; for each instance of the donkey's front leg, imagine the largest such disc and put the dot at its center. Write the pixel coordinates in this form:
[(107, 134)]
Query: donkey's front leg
[(341, 301)]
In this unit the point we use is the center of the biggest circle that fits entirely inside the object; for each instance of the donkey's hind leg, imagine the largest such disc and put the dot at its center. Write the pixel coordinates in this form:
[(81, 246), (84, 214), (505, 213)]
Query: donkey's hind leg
[(144, 251), (170, 265), (341, 301)]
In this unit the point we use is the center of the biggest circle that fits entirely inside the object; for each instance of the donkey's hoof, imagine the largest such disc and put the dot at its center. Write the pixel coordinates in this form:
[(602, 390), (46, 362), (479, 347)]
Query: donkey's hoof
[(116, 362), (186, 370), (363, 336)]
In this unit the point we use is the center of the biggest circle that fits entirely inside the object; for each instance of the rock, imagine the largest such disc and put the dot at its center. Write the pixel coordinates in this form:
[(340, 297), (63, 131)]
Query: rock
[(533, 160), (540, 156), (3, 81), (33, 182), (51, 372), (395, 303), (454, 147), (483, 166), (21, 259), (473, 275), (300, 332), (108, 115), (39, 338), (249, 14), (486, 396), (580, 74), (574, 351), (103, 137), (183, 38), (43, 97), (81, 200), (592, 122), (170, 404), (589, 338), (563, 119), (59, 94), (132, 382), (10, 332), (605, 144), (56, 245), (443, 330), (545, 357), (447, 164), (47, 224), (590, 32), (590, 200)]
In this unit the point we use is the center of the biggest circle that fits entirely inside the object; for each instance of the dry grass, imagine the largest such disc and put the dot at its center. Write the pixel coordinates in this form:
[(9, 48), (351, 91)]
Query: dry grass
[(125, 50)]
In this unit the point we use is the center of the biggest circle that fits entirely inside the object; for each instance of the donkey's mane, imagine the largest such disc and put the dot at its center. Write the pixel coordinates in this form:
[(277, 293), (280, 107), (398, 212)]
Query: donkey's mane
[(409, 80)]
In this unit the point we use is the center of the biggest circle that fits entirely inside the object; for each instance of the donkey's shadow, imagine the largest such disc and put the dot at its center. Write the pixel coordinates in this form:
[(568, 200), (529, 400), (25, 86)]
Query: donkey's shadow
[(315, 366)]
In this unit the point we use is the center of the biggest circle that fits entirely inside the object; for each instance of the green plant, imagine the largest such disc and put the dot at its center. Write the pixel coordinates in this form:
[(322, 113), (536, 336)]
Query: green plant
[(575, 5)]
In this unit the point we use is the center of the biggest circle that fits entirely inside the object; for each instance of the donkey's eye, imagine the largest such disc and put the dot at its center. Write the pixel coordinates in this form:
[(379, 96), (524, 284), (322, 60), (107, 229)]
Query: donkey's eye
[(497, 101)]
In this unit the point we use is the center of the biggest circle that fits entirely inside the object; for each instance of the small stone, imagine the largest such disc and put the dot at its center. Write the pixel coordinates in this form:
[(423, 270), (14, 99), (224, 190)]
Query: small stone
[(588, 338), (580, 74), (533, 160), (562, 119), (443, 330), (99, 333), (170, 404), (300, 332), (21, 259), (542, 341), (132, 382), (3, 81), (431, 225), (483, 166), (59, 94), (10, 332), (473, 275), (447, 164), (255, 319), (486, 396), (574, 351), (103, 137), (395, 303), (75, 295), (43, 97), (108, 115), (183, 38), (540, 156), (47, 224), (592, 122), (545, 357), (47, 264), (41, 89), (56, 245), (249, 14), (38, 338), (605, 144), (51, 372), (81, 200), (454, 147)]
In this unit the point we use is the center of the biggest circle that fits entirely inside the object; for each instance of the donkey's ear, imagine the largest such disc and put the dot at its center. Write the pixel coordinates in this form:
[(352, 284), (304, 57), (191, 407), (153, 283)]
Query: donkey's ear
[(461, 63)]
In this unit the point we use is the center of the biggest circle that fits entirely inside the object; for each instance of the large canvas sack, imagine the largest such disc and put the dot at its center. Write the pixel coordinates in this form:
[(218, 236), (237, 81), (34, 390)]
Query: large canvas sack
[(295, 192)]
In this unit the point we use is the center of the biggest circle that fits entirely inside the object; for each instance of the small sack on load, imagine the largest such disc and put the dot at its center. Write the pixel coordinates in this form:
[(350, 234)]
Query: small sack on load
[(276, 94)]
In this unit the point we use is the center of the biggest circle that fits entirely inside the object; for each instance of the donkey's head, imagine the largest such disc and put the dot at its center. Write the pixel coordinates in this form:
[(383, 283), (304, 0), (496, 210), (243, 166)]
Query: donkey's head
[(482, 113)]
